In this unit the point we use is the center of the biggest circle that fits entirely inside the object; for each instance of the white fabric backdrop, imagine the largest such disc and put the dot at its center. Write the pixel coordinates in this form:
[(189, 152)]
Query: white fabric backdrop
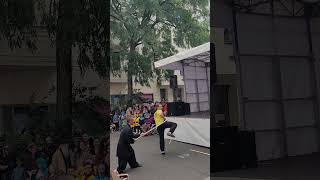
[(191, 130)]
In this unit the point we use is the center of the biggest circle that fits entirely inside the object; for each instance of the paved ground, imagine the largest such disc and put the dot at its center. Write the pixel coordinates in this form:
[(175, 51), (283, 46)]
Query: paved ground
[(293, 168), (178, 163), (181, 163)]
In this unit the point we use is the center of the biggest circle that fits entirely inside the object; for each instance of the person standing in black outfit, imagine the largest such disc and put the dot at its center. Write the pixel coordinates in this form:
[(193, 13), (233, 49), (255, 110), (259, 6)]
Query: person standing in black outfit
[(125, 152)]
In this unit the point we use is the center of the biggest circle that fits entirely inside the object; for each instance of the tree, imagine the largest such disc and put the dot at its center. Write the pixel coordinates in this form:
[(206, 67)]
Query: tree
[(73, 24), (147, 31)]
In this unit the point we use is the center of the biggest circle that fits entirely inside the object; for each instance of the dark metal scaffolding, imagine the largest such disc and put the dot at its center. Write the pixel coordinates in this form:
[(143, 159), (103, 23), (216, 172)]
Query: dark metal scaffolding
[(275, 9)]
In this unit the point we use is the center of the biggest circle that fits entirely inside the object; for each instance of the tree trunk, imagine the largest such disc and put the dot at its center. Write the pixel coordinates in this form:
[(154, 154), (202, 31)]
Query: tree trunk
[(130, 88), (129, 76), (64, 73)]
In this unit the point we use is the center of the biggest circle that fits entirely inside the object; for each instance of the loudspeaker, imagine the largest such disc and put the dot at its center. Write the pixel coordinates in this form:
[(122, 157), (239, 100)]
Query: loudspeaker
[(186, 108), (248, 154), (178, 108), (225, 149), (173, 82), (232, 149)]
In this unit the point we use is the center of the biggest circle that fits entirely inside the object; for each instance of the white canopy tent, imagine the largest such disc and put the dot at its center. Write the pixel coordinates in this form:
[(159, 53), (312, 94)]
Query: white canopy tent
[(194, 65)]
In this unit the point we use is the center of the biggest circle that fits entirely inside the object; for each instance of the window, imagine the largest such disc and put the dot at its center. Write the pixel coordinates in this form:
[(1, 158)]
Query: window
[(147, 98), (179, 94), (117, 99), (163, 94), (20, 117), (227, 36)]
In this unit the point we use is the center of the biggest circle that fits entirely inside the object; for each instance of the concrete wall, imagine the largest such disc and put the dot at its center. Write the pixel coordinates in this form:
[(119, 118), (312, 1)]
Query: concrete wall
[(23, 72), (44, 56), (118, 86), (224, 63), (231, 80), (19, 83), (122, 89)]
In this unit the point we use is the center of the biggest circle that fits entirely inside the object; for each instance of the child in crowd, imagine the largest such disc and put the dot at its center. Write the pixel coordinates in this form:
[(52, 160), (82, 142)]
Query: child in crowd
[(115, 120), (85, 172), (122, 120), (124, 123), (43, 171), (18, 172), (136, 124), (101, 173)]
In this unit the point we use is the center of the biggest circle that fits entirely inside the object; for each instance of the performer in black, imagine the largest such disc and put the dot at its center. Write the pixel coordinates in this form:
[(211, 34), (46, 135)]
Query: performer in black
[(125, 152)]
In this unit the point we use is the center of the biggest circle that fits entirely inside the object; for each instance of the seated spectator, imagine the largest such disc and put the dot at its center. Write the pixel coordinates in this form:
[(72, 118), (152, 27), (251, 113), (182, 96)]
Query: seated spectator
[(165, 107), (144, 115), (136, 124), (124, 123), (91, 147), (61, 161), (43, 171), (101, 173), (19, 172), (96, 144), (122, 120), (30, 157), (115, 120), (86, 172)]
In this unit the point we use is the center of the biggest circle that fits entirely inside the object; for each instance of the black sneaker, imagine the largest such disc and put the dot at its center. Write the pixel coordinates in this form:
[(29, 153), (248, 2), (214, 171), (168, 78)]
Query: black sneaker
[(121, 172), (170, 134), (136, 166), (163, 152)]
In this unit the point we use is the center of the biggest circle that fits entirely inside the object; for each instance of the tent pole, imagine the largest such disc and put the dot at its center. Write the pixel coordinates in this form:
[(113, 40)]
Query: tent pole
[(197, 88), (314, 71), (184, 80), (236, 52), (207, 77), (276, 62), (212, 82)]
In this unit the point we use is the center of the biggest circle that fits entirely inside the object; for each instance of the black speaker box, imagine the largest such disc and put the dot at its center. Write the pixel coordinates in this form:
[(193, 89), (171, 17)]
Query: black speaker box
[(248, 154), (225, 149), (187, 109), (178, 109)]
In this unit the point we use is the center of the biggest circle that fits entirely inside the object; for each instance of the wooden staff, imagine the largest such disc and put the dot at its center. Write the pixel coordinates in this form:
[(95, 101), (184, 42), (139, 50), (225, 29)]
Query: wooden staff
[(146, 133), (149, 132)]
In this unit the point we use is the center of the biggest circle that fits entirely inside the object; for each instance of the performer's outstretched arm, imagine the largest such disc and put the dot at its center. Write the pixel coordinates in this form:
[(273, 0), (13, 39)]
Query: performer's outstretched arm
[(132, 136)]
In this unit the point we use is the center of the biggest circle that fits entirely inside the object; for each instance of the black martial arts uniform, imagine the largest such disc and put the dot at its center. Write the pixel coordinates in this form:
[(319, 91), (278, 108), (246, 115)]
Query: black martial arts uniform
[(125, 152)]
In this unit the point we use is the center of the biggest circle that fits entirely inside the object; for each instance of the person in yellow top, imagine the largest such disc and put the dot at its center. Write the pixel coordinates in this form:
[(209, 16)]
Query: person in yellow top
[(85, 172), (136, 124), (161, 125)]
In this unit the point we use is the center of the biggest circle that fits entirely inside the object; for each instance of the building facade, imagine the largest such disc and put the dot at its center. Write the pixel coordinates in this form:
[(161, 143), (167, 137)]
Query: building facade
[(154, 93), (28, 77)]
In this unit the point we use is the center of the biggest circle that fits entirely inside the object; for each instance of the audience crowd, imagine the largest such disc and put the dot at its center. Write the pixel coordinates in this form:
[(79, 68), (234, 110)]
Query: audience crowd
[(82, 158), (86, 158), (139, 117)]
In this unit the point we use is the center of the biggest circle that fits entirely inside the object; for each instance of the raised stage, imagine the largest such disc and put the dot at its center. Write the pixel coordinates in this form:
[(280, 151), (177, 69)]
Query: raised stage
[(192, 129)]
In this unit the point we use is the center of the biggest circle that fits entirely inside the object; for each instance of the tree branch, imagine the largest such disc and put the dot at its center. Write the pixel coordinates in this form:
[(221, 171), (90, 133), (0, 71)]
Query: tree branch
[(146, 18), (162, 2), (169, 24), (138, 42), (115, 17), (155, 22), (116, 6)]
